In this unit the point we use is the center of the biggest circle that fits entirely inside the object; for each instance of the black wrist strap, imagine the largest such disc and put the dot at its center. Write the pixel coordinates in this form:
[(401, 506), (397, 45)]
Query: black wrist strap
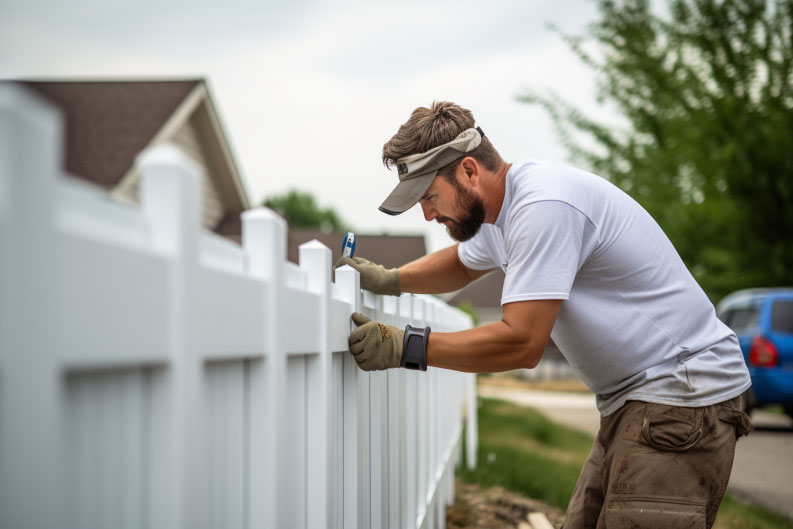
[(414, 348)]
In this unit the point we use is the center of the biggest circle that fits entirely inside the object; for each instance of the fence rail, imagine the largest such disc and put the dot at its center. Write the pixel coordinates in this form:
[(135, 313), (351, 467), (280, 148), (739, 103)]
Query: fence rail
[(153, 375)]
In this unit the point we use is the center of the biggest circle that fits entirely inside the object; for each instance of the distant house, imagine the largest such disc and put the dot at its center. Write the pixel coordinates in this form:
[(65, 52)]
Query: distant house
[(484, 294), (108, 123), (390, 251)]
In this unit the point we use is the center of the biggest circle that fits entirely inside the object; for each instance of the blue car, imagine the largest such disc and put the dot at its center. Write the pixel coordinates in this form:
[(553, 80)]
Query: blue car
[(762, 318)]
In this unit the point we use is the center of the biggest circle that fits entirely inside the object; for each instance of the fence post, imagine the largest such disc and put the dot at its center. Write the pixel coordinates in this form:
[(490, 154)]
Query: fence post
[(264, 242), (364, 385), (402, 430), (32, 480), (170, 202), (315, 260), (472, 424), (379, 414), (418, 406), (431, 315), (349, 283)]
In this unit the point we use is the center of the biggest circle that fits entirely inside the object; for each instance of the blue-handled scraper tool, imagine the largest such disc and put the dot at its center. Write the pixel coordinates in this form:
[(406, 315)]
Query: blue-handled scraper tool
[(348, 245)]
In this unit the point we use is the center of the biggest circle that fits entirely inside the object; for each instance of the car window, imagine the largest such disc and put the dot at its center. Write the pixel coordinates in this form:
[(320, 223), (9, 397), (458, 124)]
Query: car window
[(741, 319), (782, 316)]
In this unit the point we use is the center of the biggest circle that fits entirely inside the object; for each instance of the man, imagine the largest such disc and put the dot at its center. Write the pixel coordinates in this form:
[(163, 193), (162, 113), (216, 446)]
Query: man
[(588, 266)]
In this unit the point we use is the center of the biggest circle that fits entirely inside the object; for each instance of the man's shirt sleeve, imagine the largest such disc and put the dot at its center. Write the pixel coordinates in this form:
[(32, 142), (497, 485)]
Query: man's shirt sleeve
[(547, 242)]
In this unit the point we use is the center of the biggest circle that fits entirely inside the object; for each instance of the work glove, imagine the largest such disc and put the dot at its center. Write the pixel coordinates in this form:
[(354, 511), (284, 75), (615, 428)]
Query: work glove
[(374, 277), (375, 346)]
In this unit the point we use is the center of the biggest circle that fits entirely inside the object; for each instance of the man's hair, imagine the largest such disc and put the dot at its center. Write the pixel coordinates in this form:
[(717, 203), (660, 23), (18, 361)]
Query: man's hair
[(429, 127)]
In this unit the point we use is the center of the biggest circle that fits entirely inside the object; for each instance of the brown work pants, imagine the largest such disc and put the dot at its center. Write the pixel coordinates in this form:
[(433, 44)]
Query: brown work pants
[(657, 466)]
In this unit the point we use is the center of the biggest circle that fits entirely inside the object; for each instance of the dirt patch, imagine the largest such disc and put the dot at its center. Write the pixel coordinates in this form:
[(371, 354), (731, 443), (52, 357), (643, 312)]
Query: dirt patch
[(494, 508)]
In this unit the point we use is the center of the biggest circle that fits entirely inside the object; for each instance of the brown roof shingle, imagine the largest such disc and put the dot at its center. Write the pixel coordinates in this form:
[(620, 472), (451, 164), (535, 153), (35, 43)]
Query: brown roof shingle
[(108, 123)]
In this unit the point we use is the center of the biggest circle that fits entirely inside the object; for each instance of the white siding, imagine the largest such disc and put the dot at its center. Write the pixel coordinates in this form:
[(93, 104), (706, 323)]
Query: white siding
[(187, 138)]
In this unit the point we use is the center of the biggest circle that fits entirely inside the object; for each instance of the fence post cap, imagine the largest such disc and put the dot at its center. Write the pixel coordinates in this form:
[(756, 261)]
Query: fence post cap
[(164, 154), (313, 244)]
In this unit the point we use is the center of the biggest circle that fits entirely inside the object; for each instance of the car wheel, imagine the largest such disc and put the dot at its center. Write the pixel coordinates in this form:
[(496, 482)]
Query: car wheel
[(788, 409)]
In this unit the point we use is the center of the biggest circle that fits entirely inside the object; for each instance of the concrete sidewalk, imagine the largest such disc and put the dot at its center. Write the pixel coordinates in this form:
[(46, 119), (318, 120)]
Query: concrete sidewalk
[(763, 469), (576, 410)]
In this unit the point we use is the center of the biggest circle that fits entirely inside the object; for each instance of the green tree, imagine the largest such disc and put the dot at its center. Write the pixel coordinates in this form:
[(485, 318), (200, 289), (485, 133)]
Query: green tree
[(301, 210), (707, 91)]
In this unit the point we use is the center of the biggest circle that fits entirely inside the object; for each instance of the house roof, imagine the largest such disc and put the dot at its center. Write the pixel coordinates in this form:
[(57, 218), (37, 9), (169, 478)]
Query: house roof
[(230, 226), (388, 250), (108, 123)]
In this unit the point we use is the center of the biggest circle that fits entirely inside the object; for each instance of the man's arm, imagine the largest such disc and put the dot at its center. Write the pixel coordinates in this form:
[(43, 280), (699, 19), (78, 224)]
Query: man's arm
[(517, 341), (437, 273)]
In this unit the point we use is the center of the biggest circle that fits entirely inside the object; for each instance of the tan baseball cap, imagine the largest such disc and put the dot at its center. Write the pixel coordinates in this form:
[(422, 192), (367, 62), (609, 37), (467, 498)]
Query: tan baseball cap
[(417, 171)]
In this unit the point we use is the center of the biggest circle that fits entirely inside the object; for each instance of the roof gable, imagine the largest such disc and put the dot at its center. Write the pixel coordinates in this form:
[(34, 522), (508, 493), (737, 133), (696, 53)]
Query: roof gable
[(108, 123)]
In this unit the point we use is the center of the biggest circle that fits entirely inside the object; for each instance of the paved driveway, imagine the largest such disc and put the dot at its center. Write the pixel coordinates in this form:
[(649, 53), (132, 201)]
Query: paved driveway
[(763, 468)]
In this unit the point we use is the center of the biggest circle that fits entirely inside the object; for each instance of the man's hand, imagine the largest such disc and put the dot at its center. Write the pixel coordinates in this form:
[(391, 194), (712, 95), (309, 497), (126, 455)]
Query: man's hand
[(375, 346), (374, 277)]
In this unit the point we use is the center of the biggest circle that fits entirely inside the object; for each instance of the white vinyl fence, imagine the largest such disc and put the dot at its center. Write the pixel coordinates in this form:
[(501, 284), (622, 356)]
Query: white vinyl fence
[(153, 375)]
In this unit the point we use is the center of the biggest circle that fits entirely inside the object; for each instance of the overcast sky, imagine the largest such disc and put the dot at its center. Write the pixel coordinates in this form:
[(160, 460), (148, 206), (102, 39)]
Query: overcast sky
[(308, 92)]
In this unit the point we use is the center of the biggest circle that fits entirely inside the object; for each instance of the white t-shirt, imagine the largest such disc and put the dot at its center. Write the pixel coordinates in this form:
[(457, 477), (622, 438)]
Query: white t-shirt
[(635, 324)]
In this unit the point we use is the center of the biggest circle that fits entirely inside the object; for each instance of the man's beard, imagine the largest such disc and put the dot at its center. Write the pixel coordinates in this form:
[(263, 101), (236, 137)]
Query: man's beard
[(472, 209)]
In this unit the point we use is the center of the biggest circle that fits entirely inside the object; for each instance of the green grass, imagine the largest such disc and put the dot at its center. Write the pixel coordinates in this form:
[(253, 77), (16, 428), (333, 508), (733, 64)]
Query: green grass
[(521, 450), (737, 514)]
